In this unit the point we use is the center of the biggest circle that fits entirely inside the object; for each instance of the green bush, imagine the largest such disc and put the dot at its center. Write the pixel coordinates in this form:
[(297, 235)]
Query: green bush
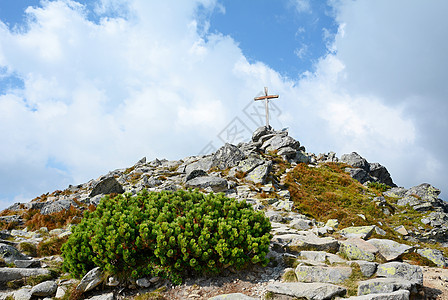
[(168, 234)]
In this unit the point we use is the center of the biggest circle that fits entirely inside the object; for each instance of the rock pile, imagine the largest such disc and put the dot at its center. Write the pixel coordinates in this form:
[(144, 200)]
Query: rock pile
[(309, 259)]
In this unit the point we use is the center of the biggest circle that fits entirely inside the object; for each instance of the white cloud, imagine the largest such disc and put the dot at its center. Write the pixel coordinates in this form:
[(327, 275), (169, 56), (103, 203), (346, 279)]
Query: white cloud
[(302, 6), (101, 94)]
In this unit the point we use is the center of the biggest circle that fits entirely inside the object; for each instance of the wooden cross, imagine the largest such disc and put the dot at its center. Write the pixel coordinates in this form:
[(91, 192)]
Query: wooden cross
[(266, 98)]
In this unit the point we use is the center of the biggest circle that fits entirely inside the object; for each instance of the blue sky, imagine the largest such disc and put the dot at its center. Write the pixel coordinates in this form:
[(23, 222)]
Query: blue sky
[(91, 86)]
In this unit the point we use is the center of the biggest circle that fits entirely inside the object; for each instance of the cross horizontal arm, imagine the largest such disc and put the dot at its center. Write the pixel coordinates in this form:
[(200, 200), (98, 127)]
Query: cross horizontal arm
[(266, 97)]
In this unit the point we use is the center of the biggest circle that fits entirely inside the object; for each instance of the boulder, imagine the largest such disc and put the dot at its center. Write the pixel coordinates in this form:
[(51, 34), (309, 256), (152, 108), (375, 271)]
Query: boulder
[(250, 163), (322, 274), (107, 296), (56, 206), (356, 161), (424, 191), (397, 295), (279, 141), (44, 289), (194, 174), (396, 192), (23, 294), (389, 249), (204, 163), (260, 173), (91, 280), (362, 232), (408, 200), (233, 296), (217, 184), (367, 268), (358, 249), (259, 132), (287, 152), (383, 285), (358, 174), (27, 263), (305, 240), (434, 255), (107, 186), (9, 274), (310, 291), (227, 156), (380, 174), (10, 254), (402, 271)]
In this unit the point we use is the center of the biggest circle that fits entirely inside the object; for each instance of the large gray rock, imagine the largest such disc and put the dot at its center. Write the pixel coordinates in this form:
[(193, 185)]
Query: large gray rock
[(305, 240), (56, 206), (107, 296), (278, 141), (227, 156), (389, 249), (44, 289), (9, 274), (10, 254), (367, 268), (424, 191), (194, 174), (381, 174), (402, 271), (383, 285), (217, 184), (250, 163), (362, 232), (434, 255), (358, 249), (356, 161), (107, 186), (260, 173), (358, 174), (309, 291), (91, 280), (204, 163), (397, 295), (322, 274), (23, 294), (408, 200), (233, 296), (261, 131), (396, 192), (27, 263)]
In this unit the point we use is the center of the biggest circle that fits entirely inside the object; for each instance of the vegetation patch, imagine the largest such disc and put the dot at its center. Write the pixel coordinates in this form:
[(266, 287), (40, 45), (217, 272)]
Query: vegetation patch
[(168, 234), (328, 192), (51, 246), (35, 220)]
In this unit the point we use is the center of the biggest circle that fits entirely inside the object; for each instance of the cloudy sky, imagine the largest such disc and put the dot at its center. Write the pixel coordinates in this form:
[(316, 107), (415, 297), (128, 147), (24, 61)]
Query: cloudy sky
[(94, 85)]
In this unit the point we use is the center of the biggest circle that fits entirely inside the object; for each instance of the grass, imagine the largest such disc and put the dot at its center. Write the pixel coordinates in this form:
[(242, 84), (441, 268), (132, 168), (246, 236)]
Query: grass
[(28, 249), (328, 192), (35, 220), (51, 246), (289, 276), (351, 284)]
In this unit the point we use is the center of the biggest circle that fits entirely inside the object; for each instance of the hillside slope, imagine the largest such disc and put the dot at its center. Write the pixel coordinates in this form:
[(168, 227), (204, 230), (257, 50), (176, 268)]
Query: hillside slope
[(318, 205)]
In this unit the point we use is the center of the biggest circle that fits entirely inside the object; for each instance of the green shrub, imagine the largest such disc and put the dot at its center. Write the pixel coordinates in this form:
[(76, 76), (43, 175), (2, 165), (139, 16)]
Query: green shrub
[(168, 234)]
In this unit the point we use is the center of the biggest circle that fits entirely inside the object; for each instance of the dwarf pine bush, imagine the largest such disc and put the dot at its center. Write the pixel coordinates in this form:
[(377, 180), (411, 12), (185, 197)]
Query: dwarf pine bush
[(169, 234)]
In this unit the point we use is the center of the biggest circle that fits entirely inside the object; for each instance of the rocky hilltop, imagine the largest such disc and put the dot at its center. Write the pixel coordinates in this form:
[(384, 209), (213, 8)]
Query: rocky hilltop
[(340, 228)]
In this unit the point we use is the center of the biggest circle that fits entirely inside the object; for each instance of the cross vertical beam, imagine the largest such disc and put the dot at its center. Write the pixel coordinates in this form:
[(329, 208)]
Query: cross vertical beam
[(266, 98)]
